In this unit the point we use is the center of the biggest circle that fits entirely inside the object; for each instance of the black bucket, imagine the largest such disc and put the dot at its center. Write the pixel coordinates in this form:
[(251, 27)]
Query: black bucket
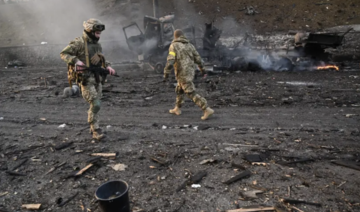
[(113, 196)]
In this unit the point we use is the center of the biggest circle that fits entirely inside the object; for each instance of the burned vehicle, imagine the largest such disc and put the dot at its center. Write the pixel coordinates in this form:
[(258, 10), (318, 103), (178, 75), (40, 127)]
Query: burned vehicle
[(308, 50), (314, 45), (153, 44), (223, 58)]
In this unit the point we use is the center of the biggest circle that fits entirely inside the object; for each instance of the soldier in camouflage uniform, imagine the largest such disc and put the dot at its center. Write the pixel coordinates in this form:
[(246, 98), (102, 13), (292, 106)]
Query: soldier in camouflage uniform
[(75, 54), (182, 57)]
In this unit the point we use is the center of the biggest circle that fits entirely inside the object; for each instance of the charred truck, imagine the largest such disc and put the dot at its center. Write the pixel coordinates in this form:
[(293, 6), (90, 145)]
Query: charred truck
[(151, 46)]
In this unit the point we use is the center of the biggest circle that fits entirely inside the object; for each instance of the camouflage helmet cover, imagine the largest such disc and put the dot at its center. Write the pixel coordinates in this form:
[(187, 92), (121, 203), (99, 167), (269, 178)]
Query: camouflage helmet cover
[(93, 25)]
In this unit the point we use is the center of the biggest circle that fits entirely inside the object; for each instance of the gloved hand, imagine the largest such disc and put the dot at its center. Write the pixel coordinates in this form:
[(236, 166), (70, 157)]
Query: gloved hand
[(203, 72), (80, 65), (166, 77), (111, 70)]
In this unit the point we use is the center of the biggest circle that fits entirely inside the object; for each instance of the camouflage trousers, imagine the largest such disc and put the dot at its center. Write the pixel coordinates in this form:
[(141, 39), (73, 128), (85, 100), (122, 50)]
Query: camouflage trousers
[(92, 93), (188, 88)]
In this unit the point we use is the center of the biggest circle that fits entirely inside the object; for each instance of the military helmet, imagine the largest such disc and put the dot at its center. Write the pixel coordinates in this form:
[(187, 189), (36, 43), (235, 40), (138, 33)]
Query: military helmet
[(93, 25)]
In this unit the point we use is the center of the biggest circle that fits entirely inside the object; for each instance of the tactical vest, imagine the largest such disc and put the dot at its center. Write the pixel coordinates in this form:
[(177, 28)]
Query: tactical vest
[(92, 49)]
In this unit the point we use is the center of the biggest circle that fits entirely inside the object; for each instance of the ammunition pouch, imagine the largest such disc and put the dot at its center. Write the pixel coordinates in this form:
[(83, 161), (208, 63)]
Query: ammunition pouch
[(73, 76)]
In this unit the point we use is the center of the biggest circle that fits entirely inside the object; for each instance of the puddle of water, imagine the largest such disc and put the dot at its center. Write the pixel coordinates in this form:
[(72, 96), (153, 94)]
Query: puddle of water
[(298, 83)]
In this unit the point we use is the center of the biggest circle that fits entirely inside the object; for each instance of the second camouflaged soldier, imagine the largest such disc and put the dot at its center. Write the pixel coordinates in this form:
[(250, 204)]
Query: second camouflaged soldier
[(85, 52), (183, 57)]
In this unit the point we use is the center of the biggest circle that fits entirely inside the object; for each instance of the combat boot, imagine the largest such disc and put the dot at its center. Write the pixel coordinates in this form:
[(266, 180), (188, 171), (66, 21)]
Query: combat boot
[(207, 113), (176, 111), (98, 134)]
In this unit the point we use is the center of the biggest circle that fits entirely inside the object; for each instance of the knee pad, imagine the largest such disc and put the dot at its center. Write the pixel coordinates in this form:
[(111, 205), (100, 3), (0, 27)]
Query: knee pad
[(96, 105)]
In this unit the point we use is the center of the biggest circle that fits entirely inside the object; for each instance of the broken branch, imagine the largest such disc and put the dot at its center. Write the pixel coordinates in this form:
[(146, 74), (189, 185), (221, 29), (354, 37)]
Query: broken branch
[(295, 208), (3, 194), (162, 162), (253, 209), (68, 200), (54, 168), (84, 170), (107, 155), (31, 206), (240, 176)]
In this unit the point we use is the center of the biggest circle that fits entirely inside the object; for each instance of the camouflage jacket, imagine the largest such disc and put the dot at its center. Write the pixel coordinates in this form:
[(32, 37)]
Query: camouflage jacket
[(76, 51), (185, 56)]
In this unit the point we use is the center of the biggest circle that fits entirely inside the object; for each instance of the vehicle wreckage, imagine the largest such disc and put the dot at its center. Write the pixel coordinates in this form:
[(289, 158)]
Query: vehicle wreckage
[(307, 51)]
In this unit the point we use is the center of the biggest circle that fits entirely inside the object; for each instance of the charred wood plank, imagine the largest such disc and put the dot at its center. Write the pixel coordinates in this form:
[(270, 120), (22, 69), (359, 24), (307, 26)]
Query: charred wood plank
[(294, 201), (238, 177), (55, 167), (347, 164), (197, 177), (68, 200), (12, 173), (24, 150), (93, 160), (19, 164), (63, 145)]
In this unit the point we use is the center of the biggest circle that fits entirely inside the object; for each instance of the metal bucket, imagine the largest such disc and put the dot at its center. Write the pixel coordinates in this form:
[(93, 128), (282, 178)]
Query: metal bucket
[(113, 196)]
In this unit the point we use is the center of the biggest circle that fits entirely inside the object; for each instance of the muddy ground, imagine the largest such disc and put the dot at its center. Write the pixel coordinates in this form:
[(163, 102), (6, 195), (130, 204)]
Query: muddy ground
[(286, 116)]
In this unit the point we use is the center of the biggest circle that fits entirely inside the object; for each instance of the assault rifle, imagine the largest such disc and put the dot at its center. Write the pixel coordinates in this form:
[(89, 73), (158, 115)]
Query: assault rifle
[(97, 71)]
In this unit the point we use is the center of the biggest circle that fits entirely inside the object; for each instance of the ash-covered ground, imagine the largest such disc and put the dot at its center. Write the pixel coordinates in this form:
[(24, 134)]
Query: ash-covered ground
[(300, 124), (285, 116)]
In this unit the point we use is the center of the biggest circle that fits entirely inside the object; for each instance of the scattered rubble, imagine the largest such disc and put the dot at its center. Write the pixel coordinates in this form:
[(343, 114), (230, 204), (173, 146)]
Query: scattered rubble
[(119, 167), (250, 10), (238, 177), (15, 64), (252, 194), (278, 135), (31, 206)]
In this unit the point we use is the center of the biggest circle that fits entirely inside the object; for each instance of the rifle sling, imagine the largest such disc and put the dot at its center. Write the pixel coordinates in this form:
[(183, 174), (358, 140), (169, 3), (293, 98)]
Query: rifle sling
[(86, 53)]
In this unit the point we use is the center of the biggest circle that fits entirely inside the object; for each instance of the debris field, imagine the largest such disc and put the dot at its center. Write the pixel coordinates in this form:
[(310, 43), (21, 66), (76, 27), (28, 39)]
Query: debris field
[(278, 139)]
